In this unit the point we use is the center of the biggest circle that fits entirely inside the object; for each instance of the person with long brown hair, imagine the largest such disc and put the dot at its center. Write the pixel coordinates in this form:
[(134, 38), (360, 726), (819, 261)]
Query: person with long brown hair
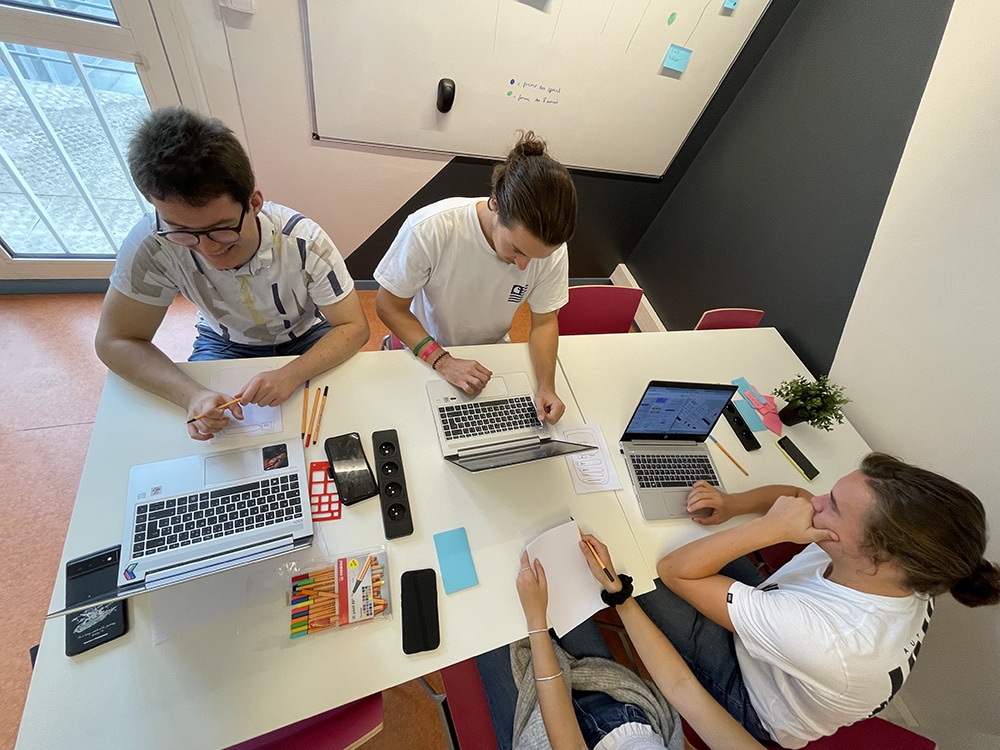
[(459, 269)]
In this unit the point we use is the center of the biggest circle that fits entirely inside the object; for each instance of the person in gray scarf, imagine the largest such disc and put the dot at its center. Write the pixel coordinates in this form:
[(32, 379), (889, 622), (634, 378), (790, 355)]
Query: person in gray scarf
[(565, 703)]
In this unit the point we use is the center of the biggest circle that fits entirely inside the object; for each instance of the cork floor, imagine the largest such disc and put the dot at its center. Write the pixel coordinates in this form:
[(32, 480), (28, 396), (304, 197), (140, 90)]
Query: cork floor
[(51, 382)]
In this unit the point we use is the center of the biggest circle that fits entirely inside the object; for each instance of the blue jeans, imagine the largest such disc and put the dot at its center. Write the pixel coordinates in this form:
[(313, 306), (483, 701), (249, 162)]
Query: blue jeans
[(597, 713), (211, 346), (708, 648)]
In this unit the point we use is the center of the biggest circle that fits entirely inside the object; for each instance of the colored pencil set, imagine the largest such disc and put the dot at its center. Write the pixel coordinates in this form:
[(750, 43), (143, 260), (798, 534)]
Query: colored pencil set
[(350, 591)]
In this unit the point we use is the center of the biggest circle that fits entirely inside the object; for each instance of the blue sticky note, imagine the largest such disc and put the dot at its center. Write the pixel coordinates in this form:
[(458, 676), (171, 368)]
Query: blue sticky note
[(677, 58), (730, 4), (744, 385), (749, 414), (455, 560)]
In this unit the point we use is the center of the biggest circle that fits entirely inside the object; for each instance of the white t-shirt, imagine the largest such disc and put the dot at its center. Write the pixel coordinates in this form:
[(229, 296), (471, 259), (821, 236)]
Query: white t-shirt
[(462, 293), (815, 655), (271, 299)]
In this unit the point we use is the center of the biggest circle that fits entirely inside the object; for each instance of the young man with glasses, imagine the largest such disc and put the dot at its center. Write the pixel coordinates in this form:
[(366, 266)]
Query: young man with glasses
[(266, 280)]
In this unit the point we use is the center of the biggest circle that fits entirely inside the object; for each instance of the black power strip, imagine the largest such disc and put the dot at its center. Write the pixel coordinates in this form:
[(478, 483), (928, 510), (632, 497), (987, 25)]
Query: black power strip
[(743, 433)]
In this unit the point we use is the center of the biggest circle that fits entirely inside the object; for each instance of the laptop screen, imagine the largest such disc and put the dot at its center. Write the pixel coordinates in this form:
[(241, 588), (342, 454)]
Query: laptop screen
[(678, 411)]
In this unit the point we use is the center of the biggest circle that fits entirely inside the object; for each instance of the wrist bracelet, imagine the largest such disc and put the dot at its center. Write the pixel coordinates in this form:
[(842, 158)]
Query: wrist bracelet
[(552, 677), (416, 349), (619, 597), (429, 350), (434, 365), (540, 630)]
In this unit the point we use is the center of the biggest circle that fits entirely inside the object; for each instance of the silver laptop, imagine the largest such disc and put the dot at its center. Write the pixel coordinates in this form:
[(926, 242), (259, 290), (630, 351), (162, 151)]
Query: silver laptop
[(664, 444), (498, 427), (192, 516)]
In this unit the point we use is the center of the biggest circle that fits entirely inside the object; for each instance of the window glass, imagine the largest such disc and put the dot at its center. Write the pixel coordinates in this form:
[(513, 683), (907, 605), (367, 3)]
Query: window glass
[(99, 10), (65, 123)]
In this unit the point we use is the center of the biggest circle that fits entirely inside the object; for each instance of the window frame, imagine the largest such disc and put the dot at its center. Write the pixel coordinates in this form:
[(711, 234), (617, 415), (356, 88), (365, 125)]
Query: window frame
[(135, 39)]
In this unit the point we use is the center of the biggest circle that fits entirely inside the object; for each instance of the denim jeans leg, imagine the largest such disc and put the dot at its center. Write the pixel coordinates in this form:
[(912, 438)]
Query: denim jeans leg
[(585, 640), (598, 714), (501, 693), (305, 342)]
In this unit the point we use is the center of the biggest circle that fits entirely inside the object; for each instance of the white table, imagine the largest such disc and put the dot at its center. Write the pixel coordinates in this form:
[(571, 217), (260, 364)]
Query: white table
[(609, 373), (240, 675)]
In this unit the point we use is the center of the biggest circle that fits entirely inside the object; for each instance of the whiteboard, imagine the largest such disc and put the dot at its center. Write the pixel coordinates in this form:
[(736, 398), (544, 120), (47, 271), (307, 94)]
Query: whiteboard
[(589, 76)]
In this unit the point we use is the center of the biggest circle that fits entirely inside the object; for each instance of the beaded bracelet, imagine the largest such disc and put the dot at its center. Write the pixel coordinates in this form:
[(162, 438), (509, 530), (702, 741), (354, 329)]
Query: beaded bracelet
[(434, 365), (552, 677), (431, 348), (416, 349)]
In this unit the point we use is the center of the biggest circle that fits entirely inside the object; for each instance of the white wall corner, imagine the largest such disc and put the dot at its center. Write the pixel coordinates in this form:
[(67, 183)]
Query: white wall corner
[(646, 319)]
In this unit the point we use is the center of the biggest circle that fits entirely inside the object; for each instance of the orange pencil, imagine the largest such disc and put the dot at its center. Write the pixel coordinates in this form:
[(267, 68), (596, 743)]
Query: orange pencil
[(361, 573), (319, 419), (312, 419), (729, 455), (597, 556)]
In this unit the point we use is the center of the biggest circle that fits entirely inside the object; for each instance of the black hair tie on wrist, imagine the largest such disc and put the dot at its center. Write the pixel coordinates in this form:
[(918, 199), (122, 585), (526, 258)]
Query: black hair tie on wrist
[(619, 597)]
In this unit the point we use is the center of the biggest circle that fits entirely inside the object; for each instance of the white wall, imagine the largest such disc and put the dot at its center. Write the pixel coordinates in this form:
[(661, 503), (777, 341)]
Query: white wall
[(252, 71), (920, 354)]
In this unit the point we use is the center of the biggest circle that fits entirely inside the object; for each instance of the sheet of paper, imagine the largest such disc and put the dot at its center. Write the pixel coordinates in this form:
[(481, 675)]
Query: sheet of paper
[(455, 560), (591, 471), (574, 595), (257, 420)]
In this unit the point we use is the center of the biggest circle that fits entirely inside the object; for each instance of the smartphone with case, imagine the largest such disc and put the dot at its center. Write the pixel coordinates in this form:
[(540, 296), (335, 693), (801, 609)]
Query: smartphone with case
[(350, 469), (798, 459), (89, 577), (419, 605)]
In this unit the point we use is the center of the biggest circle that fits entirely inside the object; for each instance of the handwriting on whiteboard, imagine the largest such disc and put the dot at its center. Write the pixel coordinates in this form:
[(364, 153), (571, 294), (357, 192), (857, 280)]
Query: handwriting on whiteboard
[(532, 92)]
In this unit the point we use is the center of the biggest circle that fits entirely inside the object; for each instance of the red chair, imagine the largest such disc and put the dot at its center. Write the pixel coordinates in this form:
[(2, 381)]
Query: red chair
[(343, 728), (873, 733), (729, 317), (391, 342), (599, 308)]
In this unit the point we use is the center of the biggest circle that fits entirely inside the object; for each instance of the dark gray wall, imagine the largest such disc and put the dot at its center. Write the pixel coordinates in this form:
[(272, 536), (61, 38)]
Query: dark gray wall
[(779, 208)]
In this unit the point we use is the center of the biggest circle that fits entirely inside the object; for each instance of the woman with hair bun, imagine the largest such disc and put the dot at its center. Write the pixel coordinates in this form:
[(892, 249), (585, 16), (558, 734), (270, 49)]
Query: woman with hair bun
[(459, 269)]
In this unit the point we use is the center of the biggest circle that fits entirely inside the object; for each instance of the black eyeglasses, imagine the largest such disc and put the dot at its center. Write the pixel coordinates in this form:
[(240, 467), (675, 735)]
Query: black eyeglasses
[(191, 237)]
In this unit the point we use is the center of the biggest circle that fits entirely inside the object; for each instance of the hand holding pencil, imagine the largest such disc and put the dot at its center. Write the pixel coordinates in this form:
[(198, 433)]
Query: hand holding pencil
[(207, 414), (599, 559)]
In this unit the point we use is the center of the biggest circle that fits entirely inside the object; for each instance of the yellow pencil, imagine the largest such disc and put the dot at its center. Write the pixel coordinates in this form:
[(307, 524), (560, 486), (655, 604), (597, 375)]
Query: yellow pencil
[(596, 556), (220, 407), (729, 455), (305, 408), (312, 419)]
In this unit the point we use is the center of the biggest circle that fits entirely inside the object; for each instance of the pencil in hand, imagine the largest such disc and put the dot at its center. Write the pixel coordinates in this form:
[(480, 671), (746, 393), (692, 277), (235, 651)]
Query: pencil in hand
[(596, 556), (220, 407)]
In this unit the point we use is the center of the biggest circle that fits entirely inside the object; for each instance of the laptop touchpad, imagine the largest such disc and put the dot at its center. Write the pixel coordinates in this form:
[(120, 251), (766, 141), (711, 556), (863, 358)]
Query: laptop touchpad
[(496, 388), (233, 465)]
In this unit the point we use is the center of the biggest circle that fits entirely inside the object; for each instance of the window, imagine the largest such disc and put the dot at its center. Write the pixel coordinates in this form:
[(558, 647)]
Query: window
[(73, 86)]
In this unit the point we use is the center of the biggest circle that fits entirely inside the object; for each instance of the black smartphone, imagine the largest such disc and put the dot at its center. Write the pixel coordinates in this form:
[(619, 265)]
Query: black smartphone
[(798, 459), (89, 577), (350, 469), (418, 602)]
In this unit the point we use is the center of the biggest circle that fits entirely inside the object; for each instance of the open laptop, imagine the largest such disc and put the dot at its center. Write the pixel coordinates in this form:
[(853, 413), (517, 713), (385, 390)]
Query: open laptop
[(196, 515), (664, 444), (498, 427)]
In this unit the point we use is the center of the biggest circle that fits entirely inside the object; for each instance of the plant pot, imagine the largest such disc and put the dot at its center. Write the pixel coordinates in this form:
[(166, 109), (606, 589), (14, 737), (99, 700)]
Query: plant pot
[(789, 416)]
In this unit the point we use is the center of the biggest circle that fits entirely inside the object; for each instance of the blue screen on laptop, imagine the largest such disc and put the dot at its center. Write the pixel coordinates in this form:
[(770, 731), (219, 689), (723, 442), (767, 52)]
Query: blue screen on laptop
[(682, 409)]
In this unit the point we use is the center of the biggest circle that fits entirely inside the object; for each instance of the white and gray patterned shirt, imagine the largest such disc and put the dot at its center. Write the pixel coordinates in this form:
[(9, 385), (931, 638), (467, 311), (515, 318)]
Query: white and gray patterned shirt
[(269, 300)]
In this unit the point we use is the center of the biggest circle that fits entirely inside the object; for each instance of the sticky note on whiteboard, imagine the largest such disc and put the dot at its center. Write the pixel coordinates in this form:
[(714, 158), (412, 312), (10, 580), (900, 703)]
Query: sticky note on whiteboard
[(677, 58), (730, 4)]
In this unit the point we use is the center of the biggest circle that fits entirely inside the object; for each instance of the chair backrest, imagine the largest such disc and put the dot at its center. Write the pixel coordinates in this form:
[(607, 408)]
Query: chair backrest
[(343, 728), (729, 317), (599, 308), (869, 733), (470, 711)]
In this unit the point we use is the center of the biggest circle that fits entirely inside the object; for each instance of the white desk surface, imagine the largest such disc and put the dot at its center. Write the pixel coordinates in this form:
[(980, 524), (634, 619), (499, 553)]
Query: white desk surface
[(240, 675), (609, 373)]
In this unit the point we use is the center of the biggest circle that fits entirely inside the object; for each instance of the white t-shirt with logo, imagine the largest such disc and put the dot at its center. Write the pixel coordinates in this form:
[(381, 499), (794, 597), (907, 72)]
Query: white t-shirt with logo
[(462, 293), (815, 655)]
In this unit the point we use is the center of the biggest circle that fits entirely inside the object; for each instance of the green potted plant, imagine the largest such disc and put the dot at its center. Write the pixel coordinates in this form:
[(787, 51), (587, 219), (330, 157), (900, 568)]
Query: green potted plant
[(817, 402)]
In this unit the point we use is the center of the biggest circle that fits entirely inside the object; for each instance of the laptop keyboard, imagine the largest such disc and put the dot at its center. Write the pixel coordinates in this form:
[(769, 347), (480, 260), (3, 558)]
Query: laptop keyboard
[(488, 417), (655, 470), (188, 519)]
